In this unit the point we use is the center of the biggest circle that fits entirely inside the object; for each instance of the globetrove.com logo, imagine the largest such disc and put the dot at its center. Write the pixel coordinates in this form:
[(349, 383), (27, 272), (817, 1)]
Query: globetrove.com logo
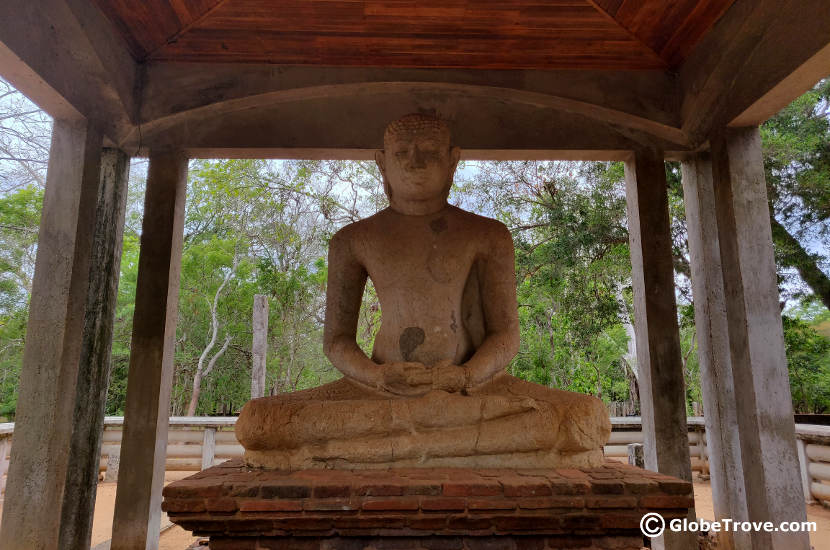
[(653, 525)]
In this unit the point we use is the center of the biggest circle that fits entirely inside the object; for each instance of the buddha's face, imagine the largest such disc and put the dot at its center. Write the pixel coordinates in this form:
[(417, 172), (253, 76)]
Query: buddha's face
[(418, 166)]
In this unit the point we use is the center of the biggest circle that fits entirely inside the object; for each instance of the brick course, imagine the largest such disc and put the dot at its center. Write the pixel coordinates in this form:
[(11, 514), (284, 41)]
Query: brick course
[(463, 509)]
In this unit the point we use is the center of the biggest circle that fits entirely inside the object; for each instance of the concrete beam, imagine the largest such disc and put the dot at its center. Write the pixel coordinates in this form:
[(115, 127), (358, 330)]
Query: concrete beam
[(150, 378), (187, 95), (94, 370), (639, 98), (661, 382), (764, 412), (67, 58), (760, 56), (353, 117), (40, 447)]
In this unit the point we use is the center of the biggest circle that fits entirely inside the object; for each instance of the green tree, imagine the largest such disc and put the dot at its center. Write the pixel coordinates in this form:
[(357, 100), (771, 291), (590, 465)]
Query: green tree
[(568, 223), (808, 357), (796, 145)]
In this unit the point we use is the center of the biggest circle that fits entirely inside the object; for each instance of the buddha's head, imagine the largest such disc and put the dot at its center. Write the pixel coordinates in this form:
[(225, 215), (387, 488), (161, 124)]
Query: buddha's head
[(417, 162)]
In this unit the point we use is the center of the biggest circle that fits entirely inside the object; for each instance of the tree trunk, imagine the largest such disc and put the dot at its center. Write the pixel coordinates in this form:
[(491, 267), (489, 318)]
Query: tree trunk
[(194, 396), (201, 370), (792, 254)]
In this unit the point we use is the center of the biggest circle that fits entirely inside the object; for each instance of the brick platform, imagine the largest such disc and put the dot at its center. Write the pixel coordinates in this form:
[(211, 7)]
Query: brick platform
[(244, 508)]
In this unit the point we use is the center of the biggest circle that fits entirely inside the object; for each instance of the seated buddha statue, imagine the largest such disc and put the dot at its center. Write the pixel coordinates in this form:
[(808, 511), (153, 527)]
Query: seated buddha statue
[(435, 392)]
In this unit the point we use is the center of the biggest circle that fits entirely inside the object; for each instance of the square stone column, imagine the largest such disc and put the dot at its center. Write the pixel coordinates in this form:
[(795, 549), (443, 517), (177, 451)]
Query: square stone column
[(718, 385), (662, 386), (149, 381), (96, 347), (749, 414), (44, 419)]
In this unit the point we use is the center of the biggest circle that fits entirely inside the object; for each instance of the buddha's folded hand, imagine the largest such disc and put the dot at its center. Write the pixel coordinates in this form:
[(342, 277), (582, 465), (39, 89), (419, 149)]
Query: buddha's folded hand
[(407, 379), (450, 377)]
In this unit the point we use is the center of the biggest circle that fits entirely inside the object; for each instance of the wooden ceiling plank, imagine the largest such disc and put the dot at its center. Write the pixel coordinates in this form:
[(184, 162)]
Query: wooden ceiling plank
[(148, 23), (658, 23), (609, 6), (427, 53), (182, 12), (195, 21), (639, 15), (597, 27), (625, 28), (704, 15)]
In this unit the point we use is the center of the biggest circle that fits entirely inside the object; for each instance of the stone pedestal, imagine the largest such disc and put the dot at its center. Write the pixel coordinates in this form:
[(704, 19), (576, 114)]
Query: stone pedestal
[(452, 508)]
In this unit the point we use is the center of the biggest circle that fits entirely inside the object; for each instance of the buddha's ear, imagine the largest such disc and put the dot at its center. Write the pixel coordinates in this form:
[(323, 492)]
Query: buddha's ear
[(455, 155), (380, 159)]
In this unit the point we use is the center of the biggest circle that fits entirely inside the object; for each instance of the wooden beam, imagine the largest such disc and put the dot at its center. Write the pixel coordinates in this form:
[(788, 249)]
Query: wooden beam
[(67, 58), (760, 56)]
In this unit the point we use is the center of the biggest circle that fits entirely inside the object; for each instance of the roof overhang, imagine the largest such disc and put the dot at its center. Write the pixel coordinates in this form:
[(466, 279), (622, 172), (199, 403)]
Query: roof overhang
[(70, 59)]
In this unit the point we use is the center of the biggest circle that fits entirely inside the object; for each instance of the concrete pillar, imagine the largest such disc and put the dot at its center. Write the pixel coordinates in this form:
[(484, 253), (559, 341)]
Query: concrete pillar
[(803, 466), (43, 423), (5, 445), (149, 381), (113, 465), (96, 345), (662, 395), (208, 447), (763, 409), (718, 386), (259, 345), (635, 455)]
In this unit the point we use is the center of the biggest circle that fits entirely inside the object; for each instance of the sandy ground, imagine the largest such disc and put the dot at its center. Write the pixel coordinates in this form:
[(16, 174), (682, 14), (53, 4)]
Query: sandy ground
[(820, 540), (176, 538), (172, 538)]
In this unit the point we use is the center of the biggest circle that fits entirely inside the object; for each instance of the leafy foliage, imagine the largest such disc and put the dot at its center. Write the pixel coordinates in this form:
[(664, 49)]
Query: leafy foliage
[(808, 356)]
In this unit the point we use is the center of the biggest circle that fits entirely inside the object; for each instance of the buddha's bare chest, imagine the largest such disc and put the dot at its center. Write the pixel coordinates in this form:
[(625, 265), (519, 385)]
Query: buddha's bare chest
[(418, 262)]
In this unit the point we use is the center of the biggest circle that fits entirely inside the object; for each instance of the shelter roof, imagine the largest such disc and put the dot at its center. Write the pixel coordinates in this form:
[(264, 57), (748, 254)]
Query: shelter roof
[(480, 34), (583, 79)]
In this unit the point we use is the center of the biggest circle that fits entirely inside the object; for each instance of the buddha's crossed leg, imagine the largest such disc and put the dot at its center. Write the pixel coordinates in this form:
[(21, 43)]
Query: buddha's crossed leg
[(345, 425)]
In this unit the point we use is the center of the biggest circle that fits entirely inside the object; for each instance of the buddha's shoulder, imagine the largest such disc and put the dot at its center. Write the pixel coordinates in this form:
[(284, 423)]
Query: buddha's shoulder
[(481, 224), (361, 229)]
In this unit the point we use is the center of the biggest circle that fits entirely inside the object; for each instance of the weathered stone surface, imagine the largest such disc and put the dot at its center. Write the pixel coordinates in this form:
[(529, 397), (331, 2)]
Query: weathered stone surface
[(39, 461), (486, 504), (434, 392)]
